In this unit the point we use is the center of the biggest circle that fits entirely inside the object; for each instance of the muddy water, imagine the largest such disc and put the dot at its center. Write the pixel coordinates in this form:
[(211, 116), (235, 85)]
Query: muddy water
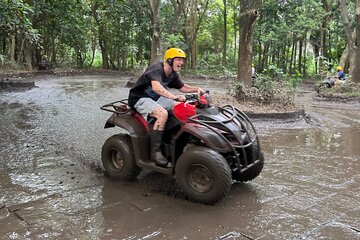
[(52, 185)]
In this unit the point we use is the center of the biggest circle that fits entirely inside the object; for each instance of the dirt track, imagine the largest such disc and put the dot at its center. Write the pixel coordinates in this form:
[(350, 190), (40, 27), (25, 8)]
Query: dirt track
[(52, 185)]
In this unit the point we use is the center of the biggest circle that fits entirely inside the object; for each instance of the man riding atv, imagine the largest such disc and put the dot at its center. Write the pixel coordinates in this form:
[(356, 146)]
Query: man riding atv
[(205, 147), (150, 96), (330, 82)]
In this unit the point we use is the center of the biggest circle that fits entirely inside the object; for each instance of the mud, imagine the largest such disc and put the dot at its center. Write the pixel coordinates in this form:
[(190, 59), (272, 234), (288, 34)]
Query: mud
[(52, 184)]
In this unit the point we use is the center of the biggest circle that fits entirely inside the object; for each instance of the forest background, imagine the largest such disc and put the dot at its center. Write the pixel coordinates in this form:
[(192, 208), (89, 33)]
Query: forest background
[(284, 39)]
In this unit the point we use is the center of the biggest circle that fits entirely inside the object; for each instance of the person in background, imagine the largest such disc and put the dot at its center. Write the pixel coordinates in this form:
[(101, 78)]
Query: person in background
[(340, 76), (340, 73), (253, 75), (44, 64), (150, 96)]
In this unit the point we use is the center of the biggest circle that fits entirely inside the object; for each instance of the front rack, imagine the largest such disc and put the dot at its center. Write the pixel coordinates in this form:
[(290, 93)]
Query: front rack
[(232, 114)]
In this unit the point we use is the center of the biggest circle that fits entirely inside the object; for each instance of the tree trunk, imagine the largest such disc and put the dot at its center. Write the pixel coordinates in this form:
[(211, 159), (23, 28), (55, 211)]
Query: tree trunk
[(265, 56), (301, 44), (27, 55), (305, 50), (3, 41), (235, 31), (54, 52), (225, 33), (193, 33), (248, 17), (19, 58), (259, 56), (192, 25), (288, 61), (293, 54), (155, 39), (346, 23), (347, 53), (315, 42), (12, 48), (324, 31), (283, 57), (356, 67), (178, 6), (105, 61), (93, 49)]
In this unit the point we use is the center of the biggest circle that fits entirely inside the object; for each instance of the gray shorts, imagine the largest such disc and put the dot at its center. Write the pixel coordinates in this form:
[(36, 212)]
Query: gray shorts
[(145, 106)]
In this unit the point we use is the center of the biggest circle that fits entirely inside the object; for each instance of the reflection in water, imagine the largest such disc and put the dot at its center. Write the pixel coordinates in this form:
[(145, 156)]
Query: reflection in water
[(50, 152)]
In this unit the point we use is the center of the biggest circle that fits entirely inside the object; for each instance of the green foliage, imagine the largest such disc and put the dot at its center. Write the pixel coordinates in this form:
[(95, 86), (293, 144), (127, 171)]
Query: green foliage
[(266, 90), (69, 33), (175, 40), (273, 72), (97, 63), (273, 86), (15, 17)]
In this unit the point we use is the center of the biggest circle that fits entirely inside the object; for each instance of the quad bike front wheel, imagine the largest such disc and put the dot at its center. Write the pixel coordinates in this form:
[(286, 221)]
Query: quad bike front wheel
[(203, 174), (118, 158), (322, 86)]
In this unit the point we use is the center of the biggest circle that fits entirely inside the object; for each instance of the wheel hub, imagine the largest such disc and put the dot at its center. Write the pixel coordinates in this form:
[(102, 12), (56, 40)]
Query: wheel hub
[(200, 178), (117, 160)]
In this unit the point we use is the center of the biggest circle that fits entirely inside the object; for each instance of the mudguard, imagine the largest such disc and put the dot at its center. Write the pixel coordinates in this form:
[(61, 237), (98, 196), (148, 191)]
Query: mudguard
[(132, 122), (211, 138)]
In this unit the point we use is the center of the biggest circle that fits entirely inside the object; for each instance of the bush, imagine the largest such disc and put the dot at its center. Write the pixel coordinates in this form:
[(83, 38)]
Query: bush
[(347, 88), (265, 90)]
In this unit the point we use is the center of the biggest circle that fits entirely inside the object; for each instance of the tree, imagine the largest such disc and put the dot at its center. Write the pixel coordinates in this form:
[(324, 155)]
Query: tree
[(15, 23), (225, 33), (155, 41), (194, 14), (350, 49), (97, 8), (356, 71), (248, 16)]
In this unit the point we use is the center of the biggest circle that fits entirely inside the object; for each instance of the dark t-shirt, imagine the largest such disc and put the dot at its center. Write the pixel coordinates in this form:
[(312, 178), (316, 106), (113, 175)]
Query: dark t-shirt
[(143, 88)]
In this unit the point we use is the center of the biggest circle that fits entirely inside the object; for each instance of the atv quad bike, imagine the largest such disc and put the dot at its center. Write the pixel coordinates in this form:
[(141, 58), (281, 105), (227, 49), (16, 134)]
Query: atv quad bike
[(207, 147), (326, 83)]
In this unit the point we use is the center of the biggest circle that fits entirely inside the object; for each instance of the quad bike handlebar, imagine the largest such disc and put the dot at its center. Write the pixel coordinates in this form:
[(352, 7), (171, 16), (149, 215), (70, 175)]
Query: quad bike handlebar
[(202, 100), (195, 96)]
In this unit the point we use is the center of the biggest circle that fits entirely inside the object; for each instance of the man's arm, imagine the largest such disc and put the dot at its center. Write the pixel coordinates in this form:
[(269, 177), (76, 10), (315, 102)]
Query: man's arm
[(190, 89), (160, 90)]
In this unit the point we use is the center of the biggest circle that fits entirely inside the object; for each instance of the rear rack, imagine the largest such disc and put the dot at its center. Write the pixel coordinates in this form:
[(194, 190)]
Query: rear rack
[(118, 107)]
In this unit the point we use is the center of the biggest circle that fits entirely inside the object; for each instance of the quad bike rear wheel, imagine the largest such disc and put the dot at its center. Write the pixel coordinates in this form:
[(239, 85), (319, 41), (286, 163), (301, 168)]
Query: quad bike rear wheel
[(118, 158), (203, 174), (322, 86), (255, 170)]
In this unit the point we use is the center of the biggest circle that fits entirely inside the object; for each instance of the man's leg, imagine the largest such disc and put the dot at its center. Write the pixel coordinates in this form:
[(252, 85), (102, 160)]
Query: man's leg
[(147, 106), (156, 134)]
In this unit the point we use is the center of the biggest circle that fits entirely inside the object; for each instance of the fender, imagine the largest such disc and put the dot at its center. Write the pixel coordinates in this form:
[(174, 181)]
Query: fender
[(211, 138), (132, 122)]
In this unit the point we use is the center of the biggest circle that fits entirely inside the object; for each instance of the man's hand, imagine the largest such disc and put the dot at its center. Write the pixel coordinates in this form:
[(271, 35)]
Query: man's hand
[(180, 98), (200, 91)]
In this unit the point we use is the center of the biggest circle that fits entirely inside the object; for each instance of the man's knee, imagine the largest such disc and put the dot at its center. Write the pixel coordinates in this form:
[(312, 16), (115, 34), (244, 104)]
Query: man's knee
[(159, 112)]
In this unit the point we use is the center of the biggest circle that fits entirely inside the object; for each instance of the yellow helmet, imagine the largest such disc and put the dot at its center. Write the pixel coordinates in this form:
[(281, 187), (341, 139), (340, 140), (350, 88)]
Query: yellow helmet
[(173, 53), (339, 68)]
